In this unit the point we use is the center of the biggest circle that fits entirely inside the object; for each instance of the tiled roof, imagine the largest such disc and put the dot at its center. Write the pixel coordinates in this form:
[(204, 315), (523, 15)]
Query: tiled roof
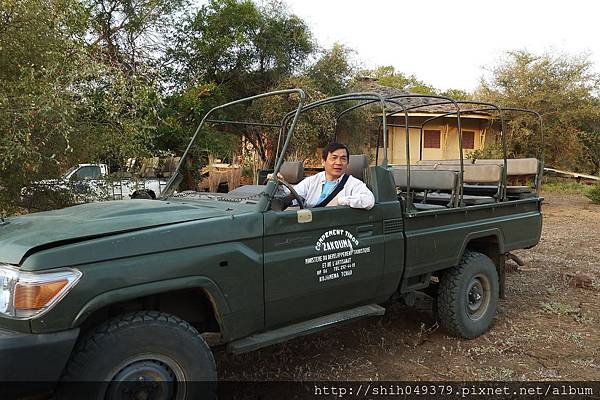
[(427, 104)]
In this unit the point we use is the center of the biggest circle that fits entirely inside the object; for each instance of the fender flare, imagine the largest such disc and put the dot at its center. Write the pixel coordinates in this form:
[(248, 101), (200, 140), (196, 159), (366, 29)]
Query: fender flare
[(496, 232), (213, 292)]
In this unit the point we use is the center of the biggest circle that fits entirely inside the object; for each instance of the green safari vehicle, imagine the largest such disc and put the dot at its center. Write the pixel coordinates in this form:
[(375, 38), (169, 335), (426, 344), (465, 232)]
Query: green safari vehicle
[(124, 292)]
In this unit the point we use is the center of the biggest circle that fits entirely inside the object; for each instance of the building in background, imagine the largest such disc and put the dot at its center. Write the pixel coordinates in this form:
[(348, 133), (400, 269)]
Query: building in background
[(439, 139)]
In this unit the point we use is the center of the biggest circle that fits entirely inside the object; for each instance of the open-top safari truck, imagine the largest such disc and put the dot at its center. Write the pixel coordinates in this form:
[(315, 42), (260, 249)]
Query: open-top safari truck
[(124, 292)]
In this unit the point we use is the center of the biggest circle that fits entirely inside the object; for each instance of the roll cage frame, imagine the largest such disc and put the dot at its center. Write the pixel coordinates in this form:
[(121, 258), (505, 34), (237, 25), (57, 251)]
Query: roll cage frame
[(402, 101)]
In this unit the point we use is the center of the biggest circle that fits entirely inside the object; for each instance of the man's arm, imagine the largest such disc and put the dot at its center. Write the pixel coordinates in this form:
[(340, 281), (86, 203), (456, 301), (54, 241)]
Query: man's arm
[(302, 187), (360, 197)]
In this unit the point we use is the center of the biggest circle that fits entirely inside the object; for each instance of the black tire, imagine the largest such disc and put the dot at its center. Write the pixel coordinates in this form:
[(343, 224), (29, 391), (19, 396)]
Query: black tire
[(468, 296), (144, 194), (144, 354)]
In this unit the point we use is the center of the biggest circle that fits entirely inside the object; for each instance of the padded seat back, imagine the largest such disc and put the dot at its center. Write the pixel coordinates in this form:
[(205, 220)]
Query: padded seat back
[(522, 166), (482, 174), (420, 167), (357, 165), (443, 162), (425, 179), (515, 166), (476, 173), (292, 171)]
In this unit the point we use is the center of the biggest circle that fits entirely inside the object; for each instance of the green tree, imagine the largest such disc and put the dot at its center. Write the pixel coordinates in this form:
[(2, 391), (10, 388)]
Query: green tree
[(388, 76), (230, 49), (589, 136), (41, 66), (129, 39), (333, 70), (314, 127), (58, 104), (457, 94), (563, 89), (118, 116), (240, 45), (180, 115)]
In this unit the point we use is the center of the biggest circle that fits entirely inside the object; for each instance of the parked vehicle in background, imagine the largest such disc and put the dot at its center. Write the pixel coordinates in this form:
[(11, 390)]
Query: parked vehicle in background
[(95, 181), (84, 183)]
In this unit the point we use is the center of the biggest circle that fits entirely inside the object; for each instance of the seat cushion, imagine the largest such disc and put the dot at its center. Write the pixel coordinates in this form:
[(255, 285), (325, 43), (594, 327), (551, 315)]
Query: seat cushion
[(480, 190), (469, 200), (518, 189), (427, 207)]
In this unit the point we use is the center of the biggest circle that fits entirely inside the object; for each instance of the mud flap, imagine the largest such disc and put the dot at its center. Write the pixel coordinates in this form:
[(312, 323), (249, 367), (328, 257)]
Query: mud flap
[(501, 267)]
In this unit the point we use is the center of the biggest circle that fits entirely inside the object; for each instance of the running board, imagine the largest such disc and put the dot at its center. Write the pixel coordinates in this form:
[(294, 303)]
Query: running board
[(268, 338)]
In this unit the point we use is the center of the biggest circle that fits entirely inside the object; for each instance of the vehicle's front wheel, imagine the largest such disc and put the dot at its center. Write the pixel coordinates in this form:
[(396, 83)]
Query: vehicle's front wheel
[(149, 355), (468, 295)]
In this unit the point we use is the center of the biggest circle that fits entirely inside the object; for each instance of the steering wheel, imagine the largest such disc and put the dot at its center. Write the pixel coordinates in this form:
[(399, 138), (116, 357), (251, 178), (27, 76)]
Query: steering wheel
[(293, 192)]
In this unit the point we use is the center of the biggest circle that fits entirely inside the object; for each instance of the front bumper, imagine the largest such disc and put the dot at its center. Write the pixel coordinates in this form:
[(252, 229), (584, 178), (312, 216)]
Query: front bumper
[(26, 357)]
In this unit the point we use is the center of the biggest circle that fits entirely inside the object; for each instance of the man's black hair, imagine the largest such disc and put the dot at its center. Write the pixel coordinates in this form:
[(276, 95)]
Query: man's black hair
[(331, 147)]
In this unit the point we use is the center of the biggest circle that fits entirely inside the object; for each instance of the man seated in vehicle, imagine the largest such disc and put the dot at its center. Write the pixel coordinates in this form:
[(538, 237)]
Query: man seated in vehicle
[(334, 186)]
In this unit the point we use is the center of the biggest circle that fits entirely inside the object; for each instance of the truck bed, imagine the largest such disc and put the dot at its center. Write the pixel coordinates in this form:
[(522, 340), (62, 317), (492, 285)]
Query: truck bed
[(436, 239)]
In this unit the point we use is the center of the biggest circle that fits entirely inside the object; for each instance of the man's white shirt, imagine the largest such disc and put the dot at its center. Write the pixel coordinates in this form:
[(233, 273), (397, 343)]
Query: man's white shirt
[(354, 194)]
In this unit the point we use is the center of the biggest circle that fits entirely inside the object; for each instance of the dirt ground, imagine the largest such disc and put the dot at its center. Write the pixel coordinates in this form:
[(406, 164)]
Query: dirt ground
[(545, 329)]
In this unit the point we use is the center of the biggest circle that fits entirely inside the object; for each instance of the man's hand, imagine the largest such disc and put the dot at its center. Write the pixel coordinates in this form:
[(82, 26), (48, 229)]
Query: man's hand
[(270, 176)]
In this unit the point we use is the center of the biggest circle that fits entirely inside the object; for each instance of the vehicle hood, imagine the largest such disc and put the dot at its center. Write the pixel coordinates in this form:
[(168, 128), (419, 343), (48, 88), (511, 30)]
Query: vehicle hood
[(21, 236)]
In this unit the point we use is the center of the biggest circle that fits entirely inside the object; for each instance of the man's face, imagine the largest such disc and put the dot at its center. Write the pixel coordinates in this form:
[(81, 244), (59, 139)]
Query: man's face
[(336, 164)]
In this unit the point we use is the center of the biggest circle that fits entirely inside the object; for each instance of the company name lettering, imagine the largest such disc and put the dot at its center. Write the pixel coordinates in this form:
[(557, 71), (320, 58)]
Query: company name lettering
[(348, 242)]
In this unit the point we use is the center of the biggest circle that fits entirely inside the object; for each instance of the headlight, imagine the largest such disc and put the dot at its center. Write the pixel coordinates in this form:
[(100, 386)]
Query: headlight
[(25, 295)]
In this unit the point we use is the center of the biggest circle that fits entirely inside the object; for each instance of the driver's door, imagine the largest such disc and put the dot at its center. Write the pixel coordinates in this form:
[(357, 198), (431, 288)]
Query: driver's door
[(331, 263)]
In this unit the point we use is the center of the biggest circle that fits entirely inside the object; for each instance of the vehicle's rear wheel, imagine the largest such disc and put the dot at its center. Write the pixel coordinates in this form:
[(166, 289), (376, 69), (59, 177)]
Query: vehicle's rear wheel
[(468, 296), (142, 355)]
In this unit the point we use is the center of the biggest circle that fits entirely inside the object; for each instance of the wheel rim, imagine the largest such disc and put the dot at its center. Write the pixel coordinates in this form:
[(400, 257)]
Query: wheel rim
[(478, 296), (146, 377)]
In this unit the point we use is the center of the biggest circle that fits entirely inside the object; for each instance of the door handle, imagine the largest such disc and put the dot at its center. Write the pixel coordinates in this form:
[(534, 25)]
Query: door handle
[(364, 230), (289, 241)]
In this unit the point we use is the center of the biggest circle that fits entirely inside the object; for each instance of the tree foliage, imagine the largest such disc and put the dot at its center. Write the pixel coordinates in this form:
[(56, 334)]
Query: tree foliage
[(563, 89), (333, 70), (313, 127), (236, 48), (104, 80), (388, 76), (60, 103), (38, 80), (131, 34), (241, 45)]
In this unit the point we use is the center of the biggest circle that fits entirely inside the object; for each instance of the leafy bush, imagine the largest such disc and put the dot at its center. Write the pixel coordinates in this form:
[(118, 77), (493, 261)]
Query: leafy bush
[(489, 151), (45, 198), (594, 194)]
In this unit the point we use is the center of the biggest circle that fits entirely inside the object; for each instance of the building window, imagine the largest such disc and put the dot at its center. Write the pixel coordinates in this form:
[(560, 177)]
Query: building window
[(468, 139), (431, 139)]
